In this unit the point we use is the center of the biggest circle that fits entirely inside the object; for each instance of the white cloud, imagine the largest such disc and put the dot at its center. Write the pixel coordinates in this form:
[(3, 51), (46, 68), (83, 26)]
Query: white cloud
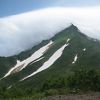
[(21, 32)]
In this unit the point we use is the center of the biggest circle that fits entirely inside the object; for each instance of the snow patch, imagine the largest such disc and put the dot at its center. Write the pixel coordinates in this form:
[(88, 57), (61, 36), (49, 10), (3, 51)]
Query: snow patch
[(49, 62), (21, 65), (9, 87), (84, 49), (75, 59), (68, 40), (18, 61)]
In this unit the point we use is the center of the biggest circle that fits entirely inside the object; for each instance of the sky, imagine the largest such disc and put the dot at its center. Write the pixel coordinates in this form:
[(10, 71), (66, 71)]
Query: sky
[(12, 7), (21, 21)]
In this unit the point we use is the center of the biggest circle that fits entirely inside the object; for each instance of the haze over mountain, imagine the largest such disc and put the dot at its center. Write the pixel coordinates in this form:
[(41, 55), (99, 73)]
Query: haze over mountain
[(21, 32)]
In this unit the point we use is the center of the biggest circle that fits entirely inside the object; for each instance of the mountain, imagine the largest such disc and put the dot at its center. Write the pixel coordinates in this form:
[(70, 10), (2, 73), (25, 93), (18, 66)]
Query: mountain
[(59, 56)]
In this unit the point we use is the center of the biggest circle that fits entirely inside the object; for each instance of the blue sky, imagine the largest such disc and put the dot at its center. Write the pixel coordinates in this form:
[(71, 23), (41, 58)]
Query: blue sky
[(12, 7)]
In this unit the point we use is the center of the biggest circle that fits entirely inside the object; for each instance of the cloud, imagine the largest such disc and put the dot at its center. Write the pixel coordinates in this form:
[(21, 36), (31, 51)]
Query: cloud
[(23, 31)]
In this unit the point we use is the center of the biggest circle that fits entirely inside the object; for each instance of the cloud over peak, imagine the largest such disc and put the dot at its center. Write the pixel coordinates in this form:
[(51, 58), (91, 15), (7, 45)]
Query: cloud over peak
[(23, 31)]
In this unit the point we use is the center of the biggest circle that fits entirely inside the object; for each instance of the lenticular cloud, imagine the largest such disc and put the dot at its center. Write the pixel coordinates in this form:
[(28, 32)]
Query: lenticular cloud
[(23, 31)]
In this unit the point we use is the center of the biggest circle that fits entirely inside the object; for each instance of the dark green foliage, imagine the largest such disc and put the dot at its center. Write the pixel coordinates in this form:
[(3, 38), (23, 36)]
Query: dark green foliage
[(53, 84), (80, 80), (84, 80)]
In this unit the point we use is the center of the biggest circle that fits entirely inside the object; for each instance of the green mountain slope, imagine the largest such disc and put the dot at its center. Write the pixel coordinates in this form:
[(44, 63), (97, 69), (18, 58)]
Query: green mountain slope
[(86, 49)]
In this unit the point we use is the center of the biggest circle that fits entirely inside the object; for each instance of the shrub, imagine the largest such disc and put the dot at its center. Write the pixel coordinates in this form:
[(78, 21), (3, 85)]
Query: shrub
[(84, 80)]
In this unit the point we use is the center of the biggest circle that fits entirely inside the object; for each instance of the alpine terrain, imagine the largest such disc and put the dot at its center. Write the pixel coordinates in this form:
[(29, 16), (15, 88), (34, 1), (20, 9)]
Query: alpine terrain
[(69, 62)]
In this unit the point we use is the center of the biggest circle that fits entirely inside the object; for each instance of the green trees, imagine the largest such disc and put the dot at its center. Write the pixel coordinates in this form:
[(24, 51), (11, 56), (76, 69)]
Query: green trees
[(79, 81), (56, 83), (84, 80)]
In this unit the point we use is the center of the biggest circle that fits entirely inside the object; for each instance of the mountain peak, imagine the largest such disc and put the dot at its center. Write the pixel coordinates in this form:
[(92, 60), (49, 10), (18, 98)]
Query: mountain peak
[(58, 58), (72, 27)]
